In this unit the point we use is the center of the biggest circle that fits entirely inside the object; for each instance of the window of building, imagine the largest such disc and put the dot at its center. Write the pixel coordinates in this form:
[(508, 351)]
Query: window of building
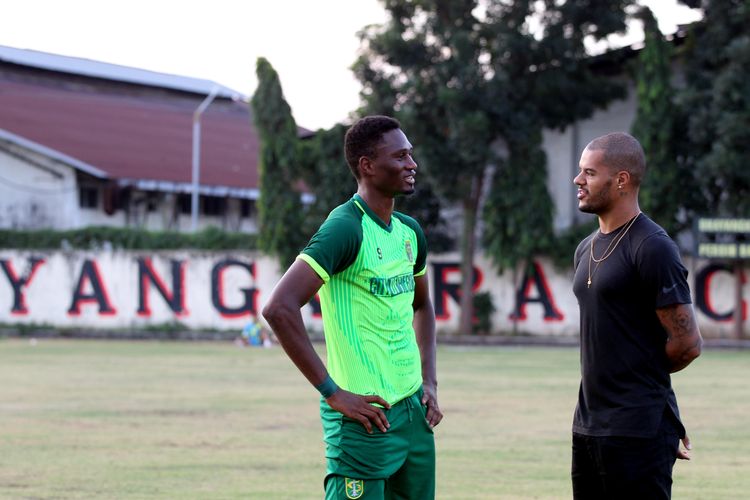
[(213, 205), (184, 201), (247, 208), (88, 197)]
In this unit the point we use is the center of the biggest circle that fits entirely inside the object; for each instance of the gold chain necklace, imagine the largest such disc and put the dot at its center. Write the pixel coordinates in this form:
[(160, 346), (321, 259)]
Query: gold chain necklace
[(607, 251)]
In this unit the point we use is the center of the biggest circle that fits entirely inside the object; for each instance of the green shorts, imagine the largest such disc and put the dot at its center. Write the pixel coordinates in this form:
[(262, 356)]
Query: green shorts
[(400, 461)]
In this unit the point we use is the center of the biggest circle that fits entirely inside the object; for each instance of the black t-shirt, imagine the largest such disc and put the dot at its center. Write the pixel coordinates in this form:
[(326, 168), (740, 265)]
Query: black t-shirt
[(625, 382)]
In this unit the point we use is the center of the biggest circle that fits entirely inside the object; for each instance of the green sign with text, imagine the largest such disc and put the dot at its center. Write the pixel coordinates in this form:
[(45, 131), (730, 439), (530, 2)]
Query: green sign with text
[(722, 238)]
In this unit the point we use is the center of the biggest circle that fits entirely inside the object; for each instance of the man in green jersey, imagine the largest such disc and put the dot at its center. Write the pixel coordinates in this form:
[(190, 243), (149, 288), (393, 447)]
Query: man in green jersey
[(379, 389)]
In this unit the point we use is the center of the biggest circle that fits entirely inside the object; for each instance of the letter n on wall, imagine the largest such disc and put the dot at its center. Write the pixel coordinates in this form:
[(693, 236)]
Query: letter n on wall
[(147, 276)]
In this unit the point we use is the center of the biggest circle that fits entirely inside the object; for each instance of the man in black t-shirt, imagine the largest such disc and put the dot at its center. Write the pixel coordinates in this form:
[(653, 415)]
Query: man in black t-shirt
[(637, 327)]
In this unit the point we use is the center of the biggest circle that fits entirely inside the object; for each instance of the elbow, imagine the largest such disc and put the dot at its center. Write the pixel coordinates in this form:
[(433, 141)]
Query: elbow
[(276, 312), (686, 355), (697, 349), (271, 312)]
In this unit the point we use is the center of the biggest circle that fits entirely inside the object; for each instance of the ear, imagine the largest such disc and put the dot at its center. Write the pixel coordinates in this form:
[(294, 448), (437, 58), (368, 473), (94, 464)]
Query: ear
[(365, 166), (623, 179)]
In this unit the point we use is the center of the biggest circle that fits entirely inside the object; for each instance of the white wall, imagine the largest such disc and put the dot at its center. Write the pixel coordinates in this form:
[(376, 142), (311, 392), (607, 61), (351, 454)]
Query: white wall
[(36, 192), (47, 290), (160, 219)]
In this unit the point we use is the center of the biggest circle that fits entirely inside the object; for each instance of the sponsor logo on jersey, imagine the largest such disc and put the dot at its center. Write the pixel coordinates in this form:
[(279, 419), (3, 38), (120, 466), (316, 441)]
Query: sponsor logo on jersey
[(390, 287)]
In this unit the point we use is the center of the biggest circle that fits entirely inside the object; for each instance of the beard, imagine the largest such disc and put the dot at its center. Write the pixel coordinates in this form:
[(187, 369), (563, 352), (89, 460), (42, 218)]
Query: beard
[(599, 202)]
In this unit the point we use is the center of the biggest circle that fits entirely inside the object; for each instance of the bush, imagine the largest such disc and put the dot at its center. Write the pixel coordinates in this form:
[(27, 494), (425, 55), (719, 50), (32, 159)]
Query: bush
[(483, 310), (96, 237)]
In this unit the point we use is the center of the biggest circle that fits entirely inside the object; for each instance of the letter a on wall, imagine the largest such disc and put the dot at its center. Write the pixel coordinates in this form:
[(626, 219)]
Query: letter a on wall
[(534, 275), (90, 274)]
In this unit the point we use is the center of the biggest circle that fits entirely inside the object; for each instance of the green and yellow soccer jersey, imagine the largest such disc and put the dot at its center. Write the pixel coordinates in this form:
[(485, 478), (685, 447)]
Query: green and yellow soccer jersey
[(368, 269)]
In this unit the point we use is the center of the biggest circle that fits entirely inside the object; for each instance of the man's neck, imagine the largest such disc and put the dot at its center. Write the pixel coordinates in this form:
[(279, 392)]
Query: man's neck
[(381, 205), (617, 217)]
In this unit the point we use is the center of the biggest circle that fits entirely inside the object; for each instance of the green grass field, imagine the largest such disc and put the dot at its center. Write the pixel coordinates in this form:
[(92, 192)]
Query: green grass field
[(137, 420)]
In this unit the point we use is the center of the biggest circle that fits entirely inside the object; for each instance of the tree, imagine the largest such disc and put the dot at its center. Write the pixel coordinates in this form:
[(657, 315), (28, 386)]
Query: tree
[(425, 206), (424, 66), (717, 101), (280, 211), (660, 129), (474, 85), (324, 170)]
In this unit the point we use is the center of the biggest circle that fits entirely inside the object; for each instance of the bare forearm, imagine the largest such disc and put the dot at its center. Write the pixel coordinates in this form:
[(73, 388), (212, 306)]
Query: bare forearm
[(684, 341), (286, 322), (424, 327)]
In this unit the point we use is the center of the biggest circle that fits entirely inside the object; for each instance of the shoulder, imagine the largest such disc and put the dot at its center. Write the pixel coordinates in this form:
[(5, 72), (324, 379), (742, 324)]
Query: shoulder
[(409, 221), (342, 226), (336, 243), (648, 237), (345, 216)]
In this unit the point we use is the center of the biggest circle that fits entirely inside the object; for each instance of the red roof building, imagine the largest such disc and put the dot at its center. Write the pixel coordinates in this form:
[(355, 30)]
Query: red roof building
[(128, 135)]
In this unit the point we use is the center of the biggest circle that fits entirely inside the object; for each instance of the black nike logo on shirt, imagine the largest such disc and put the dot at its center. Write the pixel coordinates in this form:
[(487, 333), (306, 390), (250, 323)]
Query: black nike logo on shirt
[(668, 289)]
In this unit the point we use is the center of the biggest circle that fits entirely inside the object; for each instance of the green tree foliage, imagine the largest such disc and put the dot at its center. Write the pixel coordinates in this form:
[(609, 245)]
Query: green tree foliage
[(518, 214), (717, 99), (280, 211), (545, 77), (424, 66), (464, 77), (324, 170), (658, 128), (425, 206)]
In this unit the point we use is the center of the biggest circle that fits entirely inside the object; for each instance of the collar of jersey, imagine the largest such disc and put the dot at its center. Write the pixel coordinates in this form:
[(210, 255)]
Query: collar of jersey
[(357, 199)]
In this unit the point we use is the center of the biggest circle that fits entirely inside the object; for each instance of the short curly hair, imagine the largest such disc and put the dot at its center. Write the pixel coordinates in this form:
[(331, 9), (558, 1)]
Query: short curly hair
[(362, 138)]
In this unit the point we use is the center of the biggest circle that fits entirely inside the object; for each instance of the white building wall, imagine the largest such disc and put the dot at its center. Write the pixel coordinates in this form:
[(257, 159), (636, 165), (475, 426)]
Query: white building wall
[(36, 192), (162, 218), (111, 290)]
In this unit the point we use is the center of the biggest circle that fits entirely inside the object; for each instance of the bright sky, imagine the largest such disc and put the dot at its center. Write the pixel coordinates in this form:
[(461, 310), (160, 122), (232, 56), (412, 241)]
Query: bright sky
[(310, 43)]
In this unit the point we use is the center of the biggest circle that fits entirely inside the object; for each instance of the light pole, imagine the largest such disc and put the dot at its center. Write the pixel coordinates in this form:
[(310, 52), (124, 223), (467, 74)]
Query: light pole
[(197, 155)]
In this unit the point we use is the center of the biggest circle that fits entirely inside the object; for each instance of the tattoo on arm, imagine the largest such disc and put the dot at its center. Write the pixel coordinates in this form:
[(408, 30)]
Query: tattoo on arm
[(681, 323), (683, 337)]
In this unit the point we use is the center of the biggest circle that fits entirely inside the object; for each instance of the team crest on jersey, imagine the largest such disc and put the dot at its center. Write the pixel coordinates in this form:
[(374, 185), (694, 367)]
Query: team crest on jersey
[(409, 253), (354, 487)]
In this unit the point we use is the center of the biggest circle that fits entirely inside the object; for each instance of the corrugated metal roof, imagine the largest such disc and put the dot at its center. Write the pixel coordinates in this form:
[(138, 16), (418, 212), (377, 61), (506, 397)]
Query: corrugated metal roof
[(97, 69), (129, 125), (11, 138), (131, 134)]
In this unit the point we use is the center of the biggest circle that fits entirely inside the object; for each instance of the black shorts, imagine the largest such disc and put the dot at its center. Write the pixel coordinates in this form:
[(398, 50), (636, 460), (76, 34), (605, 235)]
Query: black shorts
[(614, 467)]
